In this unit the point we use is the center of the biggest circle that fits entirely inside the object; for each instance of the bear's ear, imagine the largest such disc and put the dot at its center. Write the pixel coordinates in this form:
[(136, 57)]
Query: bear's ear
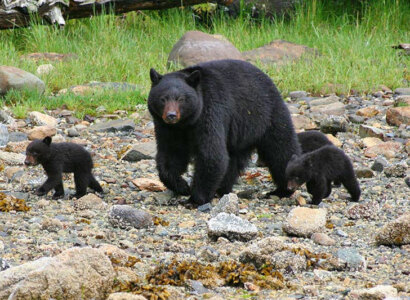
[(155, 76), (47, 140), (193, 78)]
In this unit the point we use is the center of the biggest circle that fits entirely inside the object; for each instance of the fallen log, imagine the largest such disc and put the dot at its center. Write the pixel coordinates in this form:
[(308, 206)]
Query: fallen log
[(19, 13)]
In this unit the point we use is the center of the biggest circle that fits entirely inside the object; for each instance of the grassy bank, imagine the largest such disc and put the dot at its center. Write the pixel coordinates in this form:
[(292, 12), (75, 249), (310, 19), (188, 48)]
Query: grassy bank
[(355, 45)]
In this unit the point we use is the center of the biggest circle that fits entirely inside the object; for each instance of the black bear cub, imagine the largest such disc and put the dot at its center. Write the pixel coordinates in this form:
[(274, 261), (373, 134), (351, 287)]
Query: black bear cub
[(312, 140), (57, 158), (318, 169), (217, 113)]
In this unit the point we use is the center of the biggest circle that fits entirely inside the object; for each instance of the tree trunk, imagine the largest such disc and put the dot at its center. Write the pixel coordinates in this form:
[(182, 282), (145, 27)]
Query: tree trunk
[(18, 13)]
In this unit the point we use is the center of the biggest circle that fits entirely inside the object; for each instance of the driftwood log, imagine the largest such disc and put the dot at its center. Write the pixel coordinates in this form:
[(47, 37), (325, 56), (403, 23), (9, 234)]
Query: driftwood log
[(19, 13)]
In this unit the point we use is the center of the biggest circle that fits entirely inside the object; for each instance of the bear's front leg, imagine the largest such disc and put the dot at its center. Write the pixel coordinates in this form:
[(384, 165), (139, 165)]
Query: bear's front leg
[(211, 164), (318, 188), (53, 180)]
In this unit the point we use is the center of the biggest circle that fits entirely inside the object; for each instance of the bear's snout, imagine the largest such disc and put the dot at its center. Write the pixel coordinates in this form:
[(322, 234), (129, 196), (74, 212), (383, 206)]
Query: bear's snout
[(171, 114)]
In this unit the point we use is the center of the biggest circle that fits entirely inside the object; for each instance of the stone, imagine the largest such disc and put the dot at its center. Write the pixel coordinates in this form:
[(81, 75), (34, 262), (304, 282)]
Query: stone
[(17, 137), (231, 227), (41, 119), (333, 124), (3, 263), (356, 119), (387, 149), (44, 69), (402, 100), (125, 296), (369, 131), (396, 170), (76, 271), (117, 256), (323, 101), (396, 232), (350, 259), (195, 47), (366, 210), (272, 250), (378, 292), (17, 79), (124, 216), (364, 173), (40, 132), (278, 52), (337, 109), (11, 158), (335, 141), (5, 118), (227, 204), (322, 239), (141, 151), (371, 141), (89, 201), (302, 122), (113, 126), (4, 135), (368, 112), (148, 184), (297, 94), (398, 115), (379, 164), (402, 91), (96, 87), (49, 56), (72, 132), (14, 173), (197, 287), (304, 221)]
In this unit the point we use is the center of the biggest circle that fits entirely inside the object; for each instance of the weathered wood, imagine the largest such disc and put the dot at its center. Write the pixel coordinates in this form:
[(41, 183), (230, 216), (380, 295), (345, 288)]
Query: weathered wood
[(18, 13)]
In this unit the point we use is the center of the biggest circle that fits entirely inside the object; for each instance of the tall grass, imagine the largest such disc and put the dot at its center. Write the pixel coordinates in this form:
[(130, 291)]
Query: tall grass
[(354, 39)]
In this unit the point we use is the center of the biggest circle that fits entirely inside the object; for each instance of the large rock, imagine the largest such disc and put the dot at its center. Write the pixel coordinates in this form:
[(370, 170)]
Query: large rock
[(378, 292), (278, 52), (304, 221), (40, 132), (366, 210), (227, 204), (350, 259), (141, 151), (89, 201), (368, 112), (17, 79), (114, 126), (396, 232), (333, 124), (302, 122), (387, 149), (402, 91), (336, 109), (124, 216), (12, 158), (77, 273), (195, 47), (231, 227), (4, 135), (398, 115), (42, 119)]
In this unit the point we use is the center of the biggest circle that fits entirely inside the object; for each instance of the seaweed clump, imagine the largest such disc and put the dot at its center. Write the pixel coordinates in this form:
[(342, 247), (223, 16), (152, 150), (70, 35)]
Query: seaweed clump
[(148, 291), (10, 203), (228, 273)]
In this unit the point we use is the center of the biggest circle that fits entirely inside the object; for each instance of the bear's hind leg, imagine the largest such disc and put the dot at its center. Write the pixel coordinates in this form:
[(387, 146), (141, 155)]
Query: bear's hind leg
[(93, 183), (352, 186), (237, 162), (81, 180), (276, 153)]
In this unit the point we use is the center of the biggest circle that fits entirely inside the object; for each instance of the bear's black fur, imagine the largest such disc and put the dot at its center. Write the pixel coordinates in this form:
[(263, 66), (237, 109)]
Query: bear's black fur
[(216, 113), (318, 168), (57, 158), (312, 140)]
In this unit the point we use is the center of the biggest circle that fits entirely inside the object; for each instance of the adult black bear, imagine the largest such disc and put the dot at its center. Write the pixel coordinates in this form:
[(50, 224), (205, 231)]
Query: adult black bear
[(318, 169), (312, 140), (216, 113), (57, 158)]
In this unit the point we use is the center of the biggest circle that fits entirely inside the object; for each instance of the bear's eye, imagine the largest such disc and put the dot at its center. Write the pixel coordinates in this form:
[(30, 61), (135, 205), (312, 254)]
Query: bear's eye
[(162, 100)]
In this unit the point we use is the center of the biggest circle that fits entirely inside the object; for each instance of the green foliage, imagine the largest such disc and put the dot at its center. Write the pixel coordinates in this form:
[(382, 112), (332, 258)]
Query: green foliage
[(354, 41)]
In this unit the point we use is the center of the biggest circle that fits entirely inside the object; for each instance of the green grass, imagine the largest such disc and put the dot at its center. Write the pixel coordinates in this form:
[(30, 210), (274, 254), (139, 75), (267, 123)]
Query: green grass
[(355, 46)]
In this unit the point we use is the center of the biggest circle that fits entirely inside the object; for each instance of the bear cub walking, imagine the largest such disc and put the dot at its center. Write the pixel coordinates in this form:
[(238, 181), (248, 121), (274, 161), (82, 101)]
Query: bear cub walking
[(57, 158), (318, 169)]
